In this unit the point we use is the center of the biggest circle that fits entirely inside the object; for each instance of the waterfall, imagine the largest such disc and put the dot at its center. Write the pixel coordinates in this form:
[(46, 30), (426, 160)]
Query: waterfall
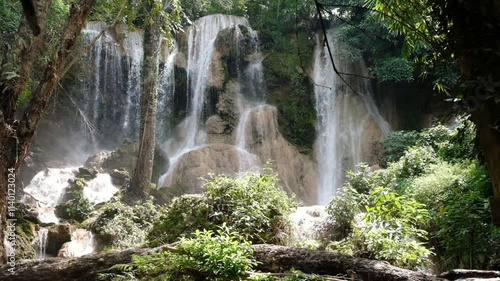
[(100, 189), (40, 243), (200, 48), (201, 40), (47, 189), (82, 243), (166, 93), (342, 116), (309, 224), (135, 53)]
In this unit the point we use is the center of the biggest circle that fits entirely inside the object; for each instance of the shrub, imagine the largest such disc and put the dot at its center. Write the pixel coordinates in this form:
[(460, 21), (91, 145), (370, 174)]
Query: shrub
[(252, 205), (184, 215), (388, 230), (396, 143), (121, 227), (221, 256)]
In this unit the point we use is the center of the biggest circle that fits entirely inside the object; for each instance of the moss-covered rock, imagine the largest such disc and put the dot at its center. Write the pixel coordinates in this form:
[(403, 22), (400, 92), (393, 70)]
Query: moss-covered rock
[(119, 177), (25, 227), (120, 226), (25, 234), (290, 89), (78, 208), (57, 236)]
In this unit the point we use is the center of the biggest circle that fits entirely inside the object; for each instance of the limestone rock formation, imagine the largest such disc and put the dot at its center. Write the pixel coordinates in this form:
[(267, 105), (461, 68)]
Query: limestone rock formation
[(296, 171), (217, 158)]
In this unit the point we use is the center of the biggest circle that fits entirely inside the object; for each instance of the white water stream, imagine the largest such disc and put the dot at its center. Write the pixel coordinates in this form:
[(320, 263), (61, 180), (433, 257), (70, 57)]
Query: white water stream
[(342, 116)]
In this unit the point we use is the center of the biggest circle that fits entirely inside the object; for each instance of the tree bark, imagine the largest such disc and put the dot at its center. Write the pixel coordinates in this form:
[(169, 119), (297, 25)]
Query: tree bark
[(15, 137), (475, 33), (140, 184), (29, 38), (274, 259)]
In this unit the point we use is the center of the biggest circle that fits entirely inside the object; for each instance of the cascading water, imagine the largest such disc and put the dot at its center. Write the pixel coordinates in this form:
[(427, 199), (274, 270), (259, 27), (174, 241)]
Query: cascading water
[(166, 91), (342, 116), (201, 41), (40, 243), (200, 44), (47, 189), (100, 189), (82, 243), (135, 53)]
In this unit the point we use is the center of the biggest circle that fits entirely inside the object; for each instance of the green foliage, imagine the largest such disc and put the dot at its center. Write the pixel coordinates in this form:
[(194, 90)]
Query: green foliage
[(456, 195), (221, 256), (436, 168), (388, 230), (78, 208), (393, 69), (10, 16), (252, 205), (140, 13), (450, 144), (396, 143), (185, 214), (121, 227), (424, 25), (343, 209)]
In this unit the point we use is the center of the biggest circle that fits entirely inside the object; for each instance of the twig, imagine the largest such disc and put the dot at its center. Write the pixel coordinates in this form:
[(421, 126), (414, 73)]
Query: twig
[(318, 8)]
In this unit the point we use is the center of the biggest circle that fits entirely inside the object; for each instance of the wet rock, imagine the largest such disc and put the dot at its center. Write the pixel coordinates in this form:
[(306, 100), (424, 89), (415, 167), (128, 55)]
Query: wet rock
[(297, 171), (57, 236), (119, 177), (96, 161), (215, 158), (125, 157), (86, 173)]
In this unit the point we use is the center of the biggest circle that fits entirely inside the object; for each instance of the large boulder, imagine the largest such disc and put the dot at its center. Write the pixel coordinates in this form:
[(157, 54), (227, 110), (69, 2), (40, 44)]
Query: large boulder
[(125, 157), (57, 236), (217, 158)]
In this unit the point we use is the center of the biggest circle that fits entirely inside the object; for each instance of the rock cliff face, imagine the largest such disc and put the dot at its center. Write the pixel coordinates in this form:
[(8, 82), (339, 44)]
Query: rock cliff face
[(296, 171)]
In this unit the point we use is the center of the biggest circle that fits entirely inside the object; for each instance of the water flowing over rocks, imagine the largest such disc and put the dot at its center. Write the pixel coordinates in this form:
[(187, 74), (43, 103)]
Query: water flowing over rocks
[(348, 119)]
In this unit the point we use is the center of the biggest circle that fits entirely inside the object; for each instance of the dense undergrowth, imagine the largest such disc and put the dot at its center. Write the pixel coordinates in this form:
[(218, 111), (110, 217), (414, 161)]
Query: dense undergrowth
[(431, 199), (426, 208)]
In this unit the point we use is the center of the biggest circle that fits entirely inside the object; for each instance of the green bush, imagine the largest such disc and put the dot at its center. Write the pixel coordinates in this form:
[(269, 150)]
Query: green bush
[(252, 205), (451, 145), (396, 143), (120, 226), (389, 230), (224, 256), (185, 214)]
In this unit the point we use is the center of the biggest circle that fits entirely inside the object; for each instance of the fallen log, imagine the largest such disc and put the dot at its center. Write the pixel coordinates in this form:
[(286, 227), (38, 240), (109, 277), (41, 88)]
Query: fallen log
[(275, 258), (272, 258), (456, 274)]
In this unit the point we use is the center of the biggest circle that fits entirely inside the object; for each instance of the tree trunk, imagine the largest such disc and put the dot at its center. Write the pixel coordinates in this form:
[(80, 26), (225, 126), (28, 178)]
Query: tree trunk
[(29, 38), (274, 259), (140, 183), (15, 138), (475, 30)]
